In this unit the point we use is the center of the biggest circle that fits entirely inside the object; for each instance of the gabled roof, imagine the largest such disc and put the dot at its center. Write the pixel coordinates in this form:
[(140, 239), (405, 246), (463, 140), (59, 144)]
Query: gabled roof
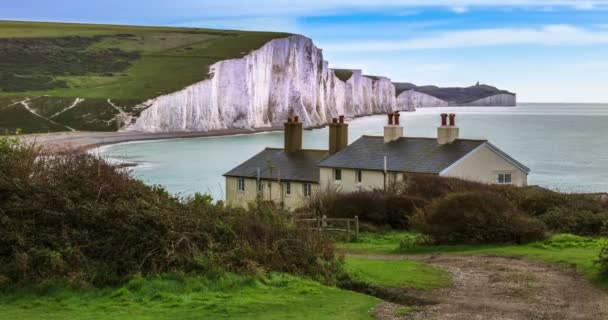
[(275, 163), (420, 155)]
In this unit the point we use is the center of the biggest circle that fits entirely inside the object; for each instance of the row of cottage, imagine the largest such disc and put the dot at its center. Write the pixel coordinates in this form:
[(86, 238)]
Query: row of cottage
[(291, 175)]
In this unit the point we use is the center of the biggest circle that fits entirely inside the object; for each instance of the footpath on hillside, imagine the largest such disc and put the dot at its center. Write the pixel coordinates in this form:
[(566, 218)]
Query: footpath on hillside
[(501, 288)]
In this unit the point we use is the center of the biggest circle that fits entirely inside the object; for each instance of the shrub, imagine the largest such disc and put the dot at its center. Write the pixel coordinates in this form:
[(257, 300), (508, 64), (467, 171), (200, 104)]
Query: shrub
[(477, 217), (76, 217), (603, 260), (382, 209), (581, 222)]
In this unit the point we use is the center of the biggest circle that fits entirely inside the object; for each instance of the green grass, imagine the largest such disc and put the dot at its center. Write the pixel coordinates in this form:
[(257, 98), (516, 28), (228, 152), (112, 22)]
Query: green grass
[(381, 243), (111, 62), (173, 297), (396, 273), (564, 249)]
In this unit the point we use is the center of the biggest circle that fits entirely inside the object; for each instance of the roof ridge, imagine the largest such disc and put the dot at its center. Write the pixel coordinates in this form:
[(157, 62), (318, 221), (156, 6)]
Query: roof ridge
[(427, 138)]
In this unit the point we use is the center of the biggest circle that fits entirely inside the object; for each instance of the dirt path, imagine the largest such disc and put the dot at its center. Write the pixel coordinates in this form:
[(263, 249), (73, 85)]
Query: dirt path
[(490, 287)]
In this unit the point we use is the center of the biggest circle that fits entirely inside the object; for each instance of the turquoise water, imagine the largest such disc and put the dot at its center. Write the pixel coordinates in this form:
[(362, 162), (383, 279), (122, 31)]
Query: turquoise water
[(565, 145)]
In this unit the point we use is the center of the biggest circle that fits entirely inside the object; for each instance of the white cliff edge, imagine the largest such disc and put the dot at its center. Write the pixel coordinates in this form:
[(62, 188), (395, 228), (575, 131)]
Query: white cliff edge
[(410, 100), (285, 77), (503, 100)]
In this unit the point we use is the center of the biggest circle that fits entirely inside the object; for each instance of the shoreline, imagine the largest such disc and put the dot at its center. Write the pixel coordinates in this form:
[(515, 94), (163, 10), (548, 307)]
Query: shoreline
[(86, 140)]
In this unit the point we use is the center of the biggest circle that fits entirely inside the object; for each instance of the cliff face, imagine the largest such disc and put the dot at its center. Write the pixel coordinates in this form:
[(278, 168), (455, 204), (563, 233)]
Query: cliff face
[(410, 100), (495, 100), (286, 76)]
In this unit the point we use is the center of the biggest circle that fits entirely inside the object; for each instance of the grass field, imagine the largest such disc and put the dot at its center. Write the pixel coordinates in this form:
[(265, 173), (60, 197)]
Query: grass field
[(397, 273), (173, 297), (569, 250), (60, 62)]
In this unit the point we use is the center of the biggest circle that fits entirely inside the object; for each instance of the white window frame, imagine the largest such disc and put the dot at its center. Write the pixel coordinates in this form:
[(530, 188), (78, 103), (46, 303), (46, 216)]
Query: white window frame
[(307, 188), (338, 174), (287, 188), (240, 184), (504, 178)]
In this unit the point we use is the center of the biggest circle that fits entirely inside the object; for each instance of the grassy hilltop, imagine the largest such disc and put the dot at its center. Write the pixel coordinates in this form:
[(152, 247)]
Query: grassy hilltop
[(53, 64)]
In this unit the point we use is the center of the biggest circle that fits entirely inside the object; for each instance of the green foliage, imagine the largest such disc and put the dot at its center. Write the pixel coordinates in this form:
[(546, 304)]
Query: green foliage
[(477, 217), (603, 260), (453, 210), (76, 217), (176, 296), (379, 209), (396, 273)]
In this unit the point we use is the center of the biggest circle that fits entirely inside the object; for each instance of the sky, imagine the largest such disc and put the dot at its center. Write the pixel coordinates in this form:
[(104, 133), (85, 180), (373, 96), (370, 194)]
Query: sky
[(544, 50)]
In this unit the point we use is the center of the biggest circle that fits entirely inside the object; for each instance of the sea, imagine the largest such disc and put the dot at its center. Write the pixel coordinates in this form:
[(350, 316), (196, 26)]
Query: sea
[(564, 145)]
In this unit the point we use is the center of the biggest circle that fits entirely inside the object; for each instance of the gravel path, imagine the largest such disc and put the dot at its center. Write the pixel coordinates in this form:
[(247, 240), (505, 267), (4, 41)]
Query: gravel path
[(503, 288)]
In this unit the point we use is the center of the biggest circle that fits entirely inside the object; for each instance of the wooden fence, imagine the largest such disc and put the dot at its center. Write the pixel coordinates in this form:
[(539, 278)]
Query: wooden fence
[(349, 226)]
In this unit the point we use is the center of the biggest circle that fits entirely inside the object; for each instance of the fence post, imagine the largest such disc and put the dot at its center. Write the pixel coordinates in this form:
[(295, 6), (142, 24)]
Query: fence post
[(356, 227), (348, 230), (324, 222)]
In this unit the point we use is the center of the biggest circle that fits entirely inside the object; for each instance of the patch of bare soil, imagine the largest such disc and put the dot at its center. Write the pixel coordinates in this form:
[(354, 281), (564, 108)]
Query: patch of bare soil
[(503, 288)]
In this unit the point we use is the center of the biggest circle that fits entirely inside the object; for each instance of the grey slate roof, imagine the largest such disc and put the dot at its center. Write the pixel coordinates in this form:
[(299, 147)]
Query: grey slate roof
[(295, 166), (416, 155)]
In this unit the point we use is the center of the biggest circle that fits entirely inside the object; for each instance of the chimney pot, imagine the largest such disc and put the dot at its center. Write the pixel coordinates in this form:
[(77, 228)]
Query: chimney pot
[(296, 119), (289, 120), (444, 119), (390, 118), (397, 115), (341, 119), (334, 120), (452, 119)]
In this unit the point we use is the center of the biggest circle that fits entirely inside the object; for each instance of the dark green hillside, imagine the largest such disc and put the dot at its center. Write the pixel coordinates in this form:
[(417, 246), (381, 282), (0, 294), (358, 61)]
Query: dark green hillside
[(453, 95), (343, 74), (60, 62)]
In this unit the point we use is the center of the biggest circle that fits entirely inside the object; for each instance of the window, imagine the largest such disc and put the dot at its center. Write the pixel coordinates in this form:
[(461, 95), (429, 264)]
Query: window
[(240, 184), (504, 178), (260, 186), (338, 174), (287, 188), (307, 189), (359, 176)]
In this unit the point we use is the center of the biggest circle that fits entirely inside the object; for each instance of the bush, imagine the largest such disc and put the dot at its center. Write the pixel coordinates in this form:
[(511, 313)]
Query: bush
[(475, 218), (76, 217), (581, 222), (381, 209), (603, 260)]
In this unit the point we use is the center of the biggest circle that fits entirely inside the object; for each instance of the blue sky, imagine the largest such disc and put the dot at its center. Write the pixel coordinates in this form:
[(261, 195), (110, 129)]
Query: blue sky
[(546, 51)]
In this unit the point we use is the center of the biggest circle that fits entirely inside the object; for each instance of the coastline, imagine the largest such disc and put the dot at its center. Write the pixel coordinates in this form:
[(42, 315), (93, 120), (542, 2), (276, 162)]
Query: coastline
[(86, 140)]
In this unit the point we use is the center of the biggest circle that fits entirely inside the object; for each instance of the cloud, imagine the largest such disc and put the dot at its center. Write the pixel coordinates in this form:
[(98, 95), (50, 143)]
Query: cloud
[(460, 9), (551, 35)]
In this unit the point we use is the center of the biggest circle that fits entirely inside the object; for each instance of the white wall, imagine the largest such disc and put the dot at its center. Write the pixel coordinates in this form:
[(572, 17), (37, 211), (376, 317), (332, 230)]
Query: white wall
[(483, 166), (272, 191)]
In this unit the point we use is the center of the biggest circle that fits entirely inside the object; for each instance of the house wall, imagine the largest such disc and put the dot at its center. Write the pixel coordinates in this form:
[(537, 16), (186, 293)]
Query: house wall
[(371, 179), (272, 191), (484, 166)]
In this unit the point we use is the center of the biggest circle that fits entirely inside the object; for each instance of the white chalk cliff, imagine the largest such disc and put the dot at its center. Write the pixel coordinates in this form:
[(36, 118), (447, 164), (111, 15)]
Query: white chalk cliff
[(495, 100), (285, 77), (410, 100)]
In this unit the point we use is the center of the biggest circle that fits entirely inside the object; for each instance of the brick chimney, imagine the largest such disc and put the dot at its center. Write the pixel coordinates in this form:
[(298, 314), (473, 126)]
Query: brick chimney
[(447, 133), (338, 135), (293, 134), (393, 131)]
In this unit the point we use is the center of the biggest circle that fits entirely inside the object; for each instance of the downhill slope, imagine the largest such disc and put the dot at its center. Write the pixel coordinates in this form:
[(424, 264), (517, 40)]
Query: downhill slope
[(45, 67), (453, 95)]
